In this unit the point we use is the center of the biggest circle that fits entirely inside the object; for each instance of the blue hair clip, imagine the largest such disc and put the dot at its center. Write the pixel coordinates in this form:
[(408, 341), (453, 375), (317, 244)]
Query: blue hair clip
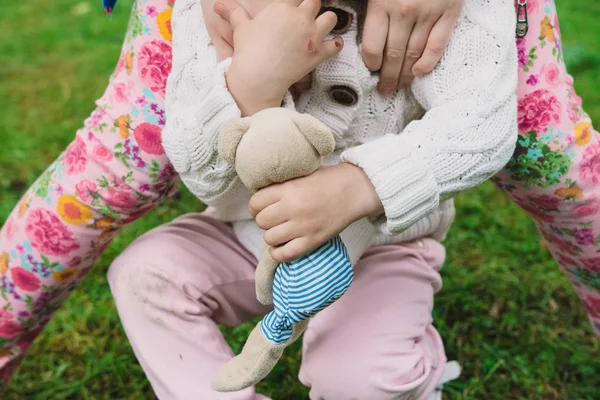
[(108, 6)]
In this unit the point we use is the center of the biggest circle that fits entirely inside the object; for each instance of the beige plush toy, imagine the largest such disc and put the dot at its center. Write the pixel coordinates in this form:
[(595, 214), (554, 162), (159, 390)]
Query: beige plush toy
[(274, 146)]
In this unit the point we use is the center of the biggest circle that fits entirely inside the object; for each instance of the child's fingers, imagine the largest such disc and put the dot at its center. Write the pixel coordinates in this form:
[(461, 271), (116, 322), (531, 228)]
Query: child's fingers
[(232, 12), (329, 48), (270, 216), (263, 198), (290, 251), (324, 24), (279, 235)]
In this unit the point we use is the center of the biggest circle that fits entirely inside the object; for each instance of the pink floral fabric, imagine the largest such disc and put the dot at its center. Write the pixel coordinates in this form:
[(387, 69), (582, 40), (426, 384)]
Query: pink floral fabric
[(115, 171), (554, 174)]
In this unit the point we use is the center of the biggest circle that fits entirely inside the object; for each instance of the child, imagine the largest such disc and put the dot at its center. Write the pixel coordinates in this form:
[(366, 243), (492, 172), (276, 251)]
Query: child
[(392, 173)]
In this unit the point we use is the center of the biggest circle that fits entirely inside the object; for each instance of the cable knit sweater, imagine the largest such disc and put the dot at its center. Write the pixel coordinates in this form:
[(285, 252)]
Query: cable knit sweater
[(450, 130)]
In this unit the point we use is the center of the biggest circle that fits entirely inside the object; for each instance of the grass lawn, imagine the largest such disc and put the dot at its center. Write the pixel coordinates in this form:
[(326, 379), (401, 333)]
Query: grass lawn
[(506, 312)]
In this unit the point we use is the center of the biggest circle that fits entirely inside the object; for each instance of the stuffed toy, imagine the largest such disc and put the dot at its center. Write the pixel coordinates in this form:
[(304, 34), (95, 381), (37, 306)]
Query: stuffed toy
[(274, 146)]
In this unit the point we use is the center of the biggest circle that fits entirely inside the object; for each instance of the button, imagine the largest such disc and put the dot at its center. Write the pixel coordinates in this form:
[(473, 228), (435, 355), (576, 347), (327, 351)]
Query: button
[(343, 95), (344, 20)]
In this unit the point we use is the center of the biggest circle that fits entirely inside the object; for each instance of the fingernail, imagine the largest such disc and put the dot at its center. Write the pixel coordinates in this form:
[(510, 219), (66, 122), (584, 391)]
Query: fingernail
[(219, 9)]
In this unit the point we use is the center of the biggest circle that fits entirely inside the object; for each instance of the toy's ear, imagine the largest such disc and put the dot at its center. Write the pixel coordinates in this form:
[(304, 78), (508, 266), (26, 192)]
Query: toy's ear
[(229, 137), (317, 133)]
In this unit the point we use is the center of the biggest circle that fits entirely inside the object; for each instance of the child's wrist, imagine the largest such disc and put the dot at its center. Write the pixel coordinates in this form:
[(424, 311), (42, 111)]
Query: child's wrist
[(362, 192), (250, 95)]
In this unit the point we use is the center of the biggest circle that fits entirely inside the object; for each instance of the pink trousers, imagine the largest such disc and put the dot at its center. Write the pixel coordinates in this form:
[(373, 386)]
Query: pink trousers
[(174, 285)]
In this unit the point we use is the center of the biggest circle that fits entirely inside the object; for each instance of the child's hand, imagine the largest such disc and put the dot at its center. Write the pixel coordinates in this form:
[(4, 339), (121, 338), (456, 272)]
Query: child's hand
[(276, 49), (301, 214)]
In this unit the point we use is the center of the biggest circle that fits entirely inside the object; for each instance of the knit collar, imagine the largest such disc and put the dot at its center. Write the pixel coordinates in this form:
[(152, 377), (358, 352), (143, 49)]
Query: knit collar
[(346, 69)]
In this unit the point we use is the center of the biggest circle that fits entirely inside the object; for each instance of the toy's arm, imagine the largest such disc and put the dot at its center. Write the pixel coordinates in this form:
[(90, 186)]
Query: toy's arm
[(197, 105), (469, 130)]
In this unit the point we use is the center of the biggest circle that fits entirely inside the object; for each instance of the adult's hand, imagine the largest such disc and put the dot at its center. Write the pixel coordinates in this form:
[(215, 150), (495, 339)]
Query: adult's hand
[(406, 38)]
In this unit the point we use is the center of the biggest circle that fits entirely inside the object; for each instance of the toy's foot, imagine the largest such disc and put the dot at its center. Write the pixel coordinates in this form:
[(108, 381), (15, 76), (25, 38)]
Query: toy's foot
[(264, 277), (257, 359)]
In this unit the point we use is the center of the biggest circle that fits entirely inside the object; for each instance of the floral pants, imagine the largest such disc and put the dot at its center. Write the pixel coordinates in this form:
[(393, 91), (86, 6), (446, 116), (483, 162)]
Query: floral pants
[(115, 170)]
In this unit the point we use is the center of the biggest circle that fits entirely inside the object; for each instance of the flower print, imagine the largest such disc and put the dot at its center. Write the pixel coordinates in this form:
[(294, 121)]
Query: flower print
[(565, 260), (562, 245), (164, 24), (584, 236), (536, 212), (121, 200), (586, 210), (3, 263), (583, 133), (532, 80), (9, 328), (571, 192), (48, 234), (545, 201), (24, 279), (134, 216), (151, 11), (589, 169), (129, 62), (120, 92), (547, 30), (141, 101), (72, 211), (522, 53), (593, 264), (23, 207), (574, 113), (75, 157), (537, 110), (86, 190), (123, 124), (64, 276), (100, 153), (551, 74), (105, 222), (154, 65), (592, 304), (534, 154), (148, 137)]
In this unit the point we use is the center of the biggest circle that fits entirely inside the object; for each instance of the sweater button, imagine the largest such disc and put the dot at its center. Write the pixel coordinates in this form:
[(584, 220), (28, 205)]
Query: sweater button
[(344, 20), (343, 95)]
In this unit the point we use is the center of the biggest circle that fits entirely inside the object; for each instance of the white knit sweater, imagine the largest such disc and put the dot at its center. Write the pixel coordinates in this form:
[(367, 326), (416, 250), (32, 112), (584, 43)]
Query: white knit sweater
[(450, 130)]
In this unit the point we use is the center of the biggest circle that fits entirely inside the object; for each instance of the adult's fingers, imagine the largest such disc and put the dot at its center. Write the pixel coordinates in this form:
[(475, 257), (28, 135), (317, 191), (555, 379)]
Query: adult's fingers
[(436, 45), (414, 49), (394, 52), (232, 12), (375, 34)]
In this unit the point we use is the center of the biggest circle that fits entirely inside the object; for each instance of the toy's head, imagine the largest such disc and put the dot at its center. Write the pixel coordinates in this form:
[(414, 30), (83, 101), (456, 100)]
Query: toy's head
[(274, 146)]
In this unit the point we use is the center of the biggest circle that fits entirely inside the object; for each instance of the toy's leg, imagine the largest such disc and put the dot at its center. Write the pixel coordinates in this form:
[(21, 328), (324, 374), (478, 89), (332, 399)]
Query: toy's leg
[(257, 359), (264, 277), (300, 290)]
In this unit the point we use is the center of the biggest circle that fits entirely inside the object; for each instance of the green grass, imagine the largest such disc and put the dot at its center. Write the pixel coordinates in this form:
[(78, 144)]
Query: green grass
[(506, 312)]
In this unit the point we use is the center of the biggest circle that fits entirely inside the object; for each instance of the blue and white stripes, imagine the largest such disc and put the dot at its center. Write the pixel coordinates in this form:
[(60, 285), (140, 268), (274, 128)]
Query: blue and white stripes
[(305, 286)]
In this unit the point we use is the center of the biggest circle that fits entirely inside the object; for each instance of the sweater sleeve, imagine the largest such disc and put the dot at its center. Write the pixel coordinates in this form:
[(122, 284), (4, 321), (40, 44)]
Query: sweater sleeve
[(197, 104), (469, 129)]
